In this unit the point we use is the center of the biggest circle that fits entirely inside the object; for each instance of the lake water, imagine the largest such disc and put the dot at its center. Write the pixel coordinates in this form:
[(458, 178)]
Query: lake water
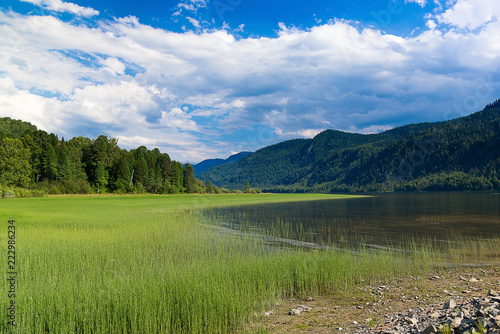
[(376, 220)]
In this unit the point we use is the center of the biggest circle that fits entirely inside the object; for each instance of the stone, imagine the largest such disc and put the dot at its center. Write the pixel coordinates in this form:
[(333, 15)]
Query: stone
[(429, 329), (294, 311), (434, 315), (459, 314), (492, 293), (309, 299), (303, 308), (451, 304), (455, 322)]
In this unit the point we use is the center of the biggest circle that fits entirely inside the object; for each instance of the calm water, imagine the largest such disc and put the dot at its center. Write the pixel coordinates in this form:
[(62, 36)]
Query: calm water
[(377, 220)]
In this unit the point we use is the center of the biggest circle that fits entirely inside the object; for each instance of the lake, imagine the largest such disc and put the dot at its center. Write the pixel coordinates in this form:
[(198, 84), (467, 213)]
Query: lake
[(378, 220)]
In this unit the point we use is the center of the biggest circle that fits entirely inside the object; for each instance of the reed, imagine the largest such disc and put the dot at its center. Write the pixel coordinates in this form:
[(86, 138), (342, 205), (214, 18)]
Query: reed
[(148, 264)]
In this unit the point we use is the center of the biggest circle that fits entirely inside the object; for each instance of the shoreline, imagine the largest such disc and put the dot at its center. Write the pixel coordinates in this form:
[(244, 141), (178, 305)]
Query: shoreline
[(371, 308)]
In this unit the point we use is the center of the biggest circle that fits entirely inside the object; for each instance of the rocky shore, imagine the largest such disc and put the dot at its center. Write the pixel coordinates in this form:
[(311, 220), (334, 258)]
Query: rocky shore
[(457, 300), (471, 315)]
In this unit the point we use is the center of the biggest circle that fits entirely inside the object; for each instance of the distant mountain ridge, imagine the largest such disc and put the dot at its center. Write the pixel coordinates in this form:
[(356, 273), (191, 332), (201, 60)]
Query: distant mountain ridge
[(460, 154), (209, 163)]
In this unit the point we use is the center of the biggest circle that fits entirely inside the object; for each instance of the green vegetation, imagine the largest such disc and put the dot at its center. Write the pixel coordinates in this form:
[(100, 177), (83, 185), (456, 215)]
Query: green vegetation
[(145, 264), (35, 163), (461, 154), (480, 327), (446, 329)]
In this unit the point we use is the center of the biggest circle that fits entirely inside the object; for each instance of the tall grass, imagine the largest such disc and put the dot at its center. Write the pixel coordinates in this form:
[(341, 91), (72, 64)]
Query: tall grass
[(144, 264)]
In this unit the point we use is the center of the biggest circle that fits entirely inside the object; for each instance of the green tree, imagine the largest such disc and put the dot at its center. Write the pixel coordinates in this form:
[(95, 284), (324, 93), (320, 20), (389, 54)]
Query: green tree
[(101, 176), (49, 162), (122, 173), (141, 171), (15, 163), (209, 187), (64, 167), (189, 180), (177, 182)]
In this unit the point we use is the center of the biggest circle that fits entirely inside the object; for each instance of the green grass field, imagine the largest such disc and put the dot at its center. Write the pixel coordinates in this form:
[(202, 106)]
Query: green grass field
[(144, 264)]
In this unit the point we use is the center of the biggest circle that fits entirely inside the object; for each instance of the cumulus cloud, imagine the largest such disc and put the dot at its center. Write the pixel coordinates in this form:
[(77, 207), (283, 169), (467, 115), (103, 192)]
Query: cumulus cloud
[(471, 14), (200, 95), (60, 6)]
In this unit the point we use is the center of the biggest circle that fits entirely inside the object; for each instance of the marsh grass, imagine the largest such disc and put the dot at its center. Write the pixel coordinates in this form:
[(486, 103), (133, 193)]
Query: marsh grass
[(145, 264), (453, 247)]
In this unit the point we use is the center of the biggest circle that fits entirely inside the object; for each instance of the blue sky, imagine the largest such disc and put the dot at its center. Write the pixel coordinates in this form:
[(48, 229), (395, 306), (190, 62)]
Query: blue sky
[(203, 79)]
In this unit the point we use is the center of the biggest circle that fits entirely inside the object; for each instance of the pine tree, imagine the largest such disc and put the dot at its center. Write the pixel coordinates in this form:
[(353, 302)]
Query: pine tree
[(15, 169), (189, 180)]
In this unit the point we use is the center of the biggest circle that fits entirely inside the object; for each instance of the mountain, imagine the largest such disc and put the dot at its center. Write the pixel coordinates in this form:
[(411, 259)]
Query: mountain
[(460, 154), (209, 163)]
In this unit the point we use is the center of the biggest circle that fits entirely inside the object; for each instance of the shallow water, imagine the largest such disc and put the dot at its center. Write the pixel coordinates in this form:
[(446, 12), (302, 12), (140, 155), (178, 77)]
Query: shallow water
[(377, 220)]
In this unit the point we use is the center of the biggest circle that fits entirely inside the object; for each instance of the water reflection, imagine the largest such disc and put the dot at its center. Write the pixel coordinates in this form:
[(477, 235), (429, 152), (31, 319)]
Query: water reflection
[(380, 220)]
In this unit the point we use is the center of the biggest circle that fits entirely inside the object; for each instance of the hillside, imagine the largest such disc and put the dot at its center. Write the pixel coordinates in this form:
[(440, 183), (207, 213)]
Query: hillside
[(13, 128), (461, 154), (209, 163)]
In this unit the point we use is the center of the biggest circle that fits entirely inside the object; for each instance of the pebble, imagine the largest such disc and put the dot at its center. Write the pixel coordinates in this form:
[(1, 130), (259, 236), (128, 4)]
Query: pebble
[(268, 313), (451, 304), (461, 316), (303, 308)]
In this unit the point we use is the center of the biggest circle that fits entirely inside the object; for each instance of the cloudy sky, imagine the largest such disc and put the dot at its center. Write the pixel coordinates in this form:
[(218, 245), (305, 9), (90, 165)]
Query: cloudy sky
[(207, 78)]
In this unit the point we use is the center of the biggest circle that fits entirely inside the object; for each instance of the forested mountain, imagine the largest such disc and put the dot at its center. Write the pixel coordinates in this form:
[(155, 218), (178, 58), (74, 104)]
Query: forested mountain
[(34, 162), (461, 154), (209, 163)]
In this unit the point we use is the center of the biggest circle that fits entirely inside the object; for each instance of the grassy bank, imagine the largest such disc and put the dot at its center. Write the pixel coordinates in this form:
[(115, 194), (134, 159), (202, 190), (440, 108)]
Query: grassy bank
[(143, 264)]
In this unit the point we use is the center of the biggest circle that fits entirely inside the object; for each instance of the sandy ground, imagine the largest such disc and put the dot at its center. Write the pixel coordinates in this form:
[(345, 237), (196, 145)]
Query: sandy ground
[(367, 308)]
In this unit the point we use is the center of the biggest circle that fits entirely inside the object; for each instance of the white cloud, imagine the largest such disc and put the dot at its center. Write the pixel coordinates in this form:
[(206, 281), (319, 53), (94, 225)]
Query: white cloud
[(371, 129), (421, 3), (60, 6), (191, 5), (431, 24), (193, 90), (20, 104), (194, 22), (114, 65), (471, 14)]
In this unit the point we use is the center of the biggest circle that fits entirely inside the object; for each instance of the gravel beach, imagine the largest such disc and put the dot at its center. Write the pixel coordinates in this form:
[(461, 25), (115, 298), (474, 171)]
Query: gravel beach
[(455, 300)]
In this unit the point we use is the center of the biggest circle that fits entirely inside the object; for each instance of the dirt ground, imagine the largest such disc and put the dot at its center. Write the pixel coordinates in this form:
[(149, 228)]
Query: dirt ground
[(367, 308)]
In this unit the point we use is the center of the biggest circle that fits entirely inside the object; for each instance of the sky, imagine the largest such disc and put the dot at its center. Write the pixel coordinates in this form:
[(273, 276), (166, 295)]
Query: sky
[(203, 79)]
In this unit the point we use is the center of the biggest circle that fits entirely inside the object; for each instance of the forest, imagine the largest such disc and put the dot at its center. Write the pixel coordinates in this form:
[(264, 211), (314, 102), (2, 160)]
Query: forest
[(460, 154), (35, 163)]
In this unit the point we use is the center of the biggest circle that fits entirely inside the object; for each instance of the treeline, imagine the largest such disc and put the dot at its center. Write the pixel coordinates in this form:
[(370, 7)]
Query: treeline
[(34, 163), (461, 154)]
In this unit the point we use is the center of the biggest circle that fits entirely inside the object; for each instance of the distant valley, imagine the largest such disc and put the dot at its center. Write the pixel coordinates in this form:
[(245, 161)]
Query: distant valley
[(209, 163), (460, 154)]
